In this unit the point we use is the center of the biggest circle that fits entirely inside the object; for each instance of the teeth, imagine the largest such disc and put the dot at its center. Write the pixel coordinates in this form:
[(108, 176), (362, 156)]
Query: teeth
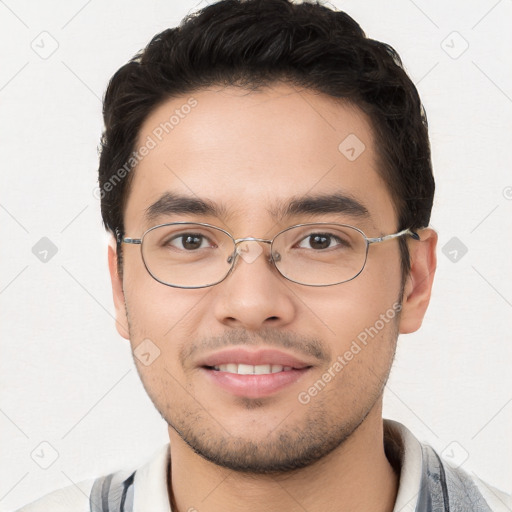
[(249, 369), (245, 369)]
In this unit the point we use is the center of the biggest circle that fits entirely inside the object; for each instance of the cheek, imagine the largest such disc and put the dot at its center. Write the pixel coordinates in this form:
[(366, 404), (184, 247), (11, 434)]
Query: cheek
[(162, 319), (362, 349), (341, 312), (357, 320), (154, 309), (383, 269)]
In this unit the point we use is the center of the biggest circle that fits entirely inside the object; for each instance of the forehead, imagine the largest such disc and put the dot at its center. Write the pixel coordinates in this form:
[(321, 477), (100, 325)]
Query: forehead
[(250, 152)]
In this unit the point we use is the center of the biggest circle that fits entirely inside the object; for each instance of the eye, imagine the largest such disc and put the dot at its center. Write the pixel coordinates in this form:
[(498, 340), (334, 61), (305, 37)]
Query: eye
[(319, 241), (189, 241)]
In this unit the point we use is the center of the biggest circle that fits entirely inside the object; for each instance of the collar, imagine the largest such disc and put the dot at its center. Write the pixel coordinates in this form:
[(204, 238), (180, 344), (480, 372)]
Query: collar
[(151, 483), (407, 449)]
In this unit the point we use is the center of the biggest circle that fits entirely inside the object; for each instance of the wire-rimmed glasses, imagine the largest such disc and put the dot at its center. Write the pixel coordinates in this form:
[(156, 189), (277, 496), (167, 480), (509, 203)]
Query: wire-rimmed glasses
[(199, 255)]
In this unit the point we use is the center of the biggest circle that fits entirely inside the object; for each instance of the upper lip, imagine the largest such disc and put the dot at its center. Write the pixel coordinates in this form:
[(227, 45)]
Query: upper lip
[(253, 357)]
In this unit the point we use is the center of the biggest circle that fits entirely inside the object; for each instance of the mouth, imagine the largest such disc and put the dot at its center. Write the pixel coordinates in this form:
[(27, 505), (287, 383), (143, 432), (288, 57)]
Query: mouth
[(249, 369), (253, 374)]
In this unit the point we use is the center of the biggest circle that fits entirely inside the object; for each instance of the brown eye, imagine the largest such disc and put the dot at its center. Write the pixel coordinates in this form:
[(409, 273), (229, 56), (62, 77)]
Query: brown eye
[(319, 241), (189, 241)]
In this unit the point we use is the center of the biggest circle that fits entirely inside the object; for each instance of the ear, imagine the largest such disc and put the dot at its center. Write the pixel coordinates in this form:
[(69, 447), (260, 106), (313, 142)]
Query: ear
[(117, 291), (418, 285)]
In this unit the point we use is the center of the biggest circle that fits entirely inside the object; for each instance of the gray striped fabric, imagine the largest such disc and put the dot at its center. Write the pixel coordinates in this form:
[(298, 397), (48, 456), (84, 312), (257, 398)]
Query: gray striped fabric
[(112, 493), (445, 489)]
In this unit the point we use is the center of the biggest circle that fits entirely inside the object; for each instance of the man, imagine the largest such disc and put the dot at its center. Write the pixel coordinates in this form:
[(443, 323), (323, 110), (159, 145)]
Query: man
[(266, 175)]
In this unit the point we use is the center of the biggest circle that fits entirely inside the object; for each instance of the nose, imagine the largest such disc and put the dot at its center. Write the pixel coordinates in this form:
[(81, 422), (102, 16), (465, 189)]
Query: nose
[(254, 294)]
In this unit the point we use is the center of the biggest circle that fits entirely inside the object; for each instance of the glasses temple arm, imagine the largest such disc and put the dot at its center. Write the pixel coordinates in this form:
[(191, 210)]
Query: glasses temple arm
[(407, 231)]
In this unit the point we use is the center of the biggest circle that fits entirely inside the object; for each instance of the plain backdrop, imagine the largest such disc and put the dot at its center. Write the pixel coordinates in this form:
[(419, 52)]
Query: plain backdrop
[(67, 378)]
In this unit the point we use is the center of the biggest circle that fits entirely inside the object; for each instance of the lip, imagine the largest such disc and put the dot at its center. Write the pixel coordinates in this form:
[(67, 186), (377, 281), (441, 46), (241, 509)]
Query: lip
[(253, 386), (260, 356)]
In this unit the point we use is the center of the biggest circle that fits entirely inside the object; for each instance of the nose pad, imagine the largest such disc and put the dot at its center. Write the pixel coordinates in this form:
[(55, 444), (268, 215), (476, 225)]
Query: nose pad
[(249, 252)]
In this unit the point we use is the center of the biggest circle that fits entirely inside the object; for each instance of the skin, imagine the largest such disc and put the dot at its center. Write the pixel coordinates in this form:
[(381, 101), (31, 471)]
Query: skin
[(246, 150)]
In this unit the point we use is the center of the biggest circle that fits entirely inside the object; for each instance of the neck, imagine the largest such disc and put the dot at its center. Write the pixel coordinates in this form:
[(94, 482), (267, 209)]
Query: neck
[(356, 476)]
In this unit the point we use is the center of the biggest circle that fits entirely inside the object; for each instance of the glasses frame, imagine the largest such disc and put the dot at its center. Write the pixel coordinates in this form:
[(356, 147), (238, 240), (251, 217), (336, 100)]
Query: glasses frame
[(369, 241)]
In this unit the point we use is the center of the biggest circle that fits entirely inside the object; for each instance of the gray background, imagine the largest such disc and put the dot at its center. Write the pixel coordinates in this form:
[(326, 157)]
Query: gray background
[(67, 378)]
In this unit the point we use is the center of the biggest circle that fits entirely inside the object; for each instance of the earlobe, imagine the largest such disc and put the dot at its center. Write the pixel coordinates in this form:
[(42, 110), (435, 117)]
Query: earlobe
[(117, 291), (418, 286)]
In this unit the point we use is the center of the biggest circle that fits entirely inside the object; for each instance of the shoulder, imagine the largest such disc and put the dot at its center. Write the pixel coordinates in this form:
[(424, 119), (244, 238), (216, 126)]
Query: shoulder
[(73, 498), (427, 482), (461, 490)]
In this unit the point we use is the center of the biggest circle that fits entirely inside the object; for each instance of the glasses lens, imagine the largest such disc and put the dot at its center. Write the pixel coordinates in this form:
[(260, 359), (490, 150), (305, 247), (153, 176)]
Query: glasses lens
[(187, 255), (320, 254)]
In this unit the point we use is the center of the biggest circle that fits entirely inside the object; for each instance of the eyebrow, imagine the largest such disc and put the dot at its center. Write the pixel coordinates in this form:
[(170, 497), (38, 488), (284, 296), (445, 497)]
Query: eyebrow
[(170, 203), (337, 203)]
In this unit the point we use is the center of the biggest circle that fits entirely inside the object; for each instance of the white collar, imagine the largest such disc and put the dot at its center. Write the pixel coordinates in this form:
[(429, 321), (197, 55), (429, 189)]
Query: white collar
[(411, 464), (150, 484)]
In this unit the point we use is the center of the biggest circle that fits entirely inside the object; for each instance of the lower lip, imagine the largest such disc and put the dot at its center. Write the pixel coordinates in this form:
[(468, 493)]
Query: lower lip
[(254, 386)]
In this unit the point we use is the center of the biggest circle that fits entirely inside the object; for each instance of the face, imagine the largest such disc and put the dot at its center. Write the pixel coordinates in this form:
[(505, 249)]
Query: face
[(249, 154)]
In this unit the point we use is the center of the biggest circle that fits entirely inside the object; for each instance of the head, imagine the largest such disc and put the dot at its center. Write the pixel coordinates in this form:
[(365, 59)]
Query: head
[(245, 111)]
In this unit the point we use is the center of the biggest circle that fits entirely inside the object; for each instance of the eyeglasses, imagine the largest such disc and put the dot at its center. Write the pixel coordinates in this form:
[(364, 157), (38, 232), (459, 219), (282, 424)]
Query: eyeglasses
[(198, 255)]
